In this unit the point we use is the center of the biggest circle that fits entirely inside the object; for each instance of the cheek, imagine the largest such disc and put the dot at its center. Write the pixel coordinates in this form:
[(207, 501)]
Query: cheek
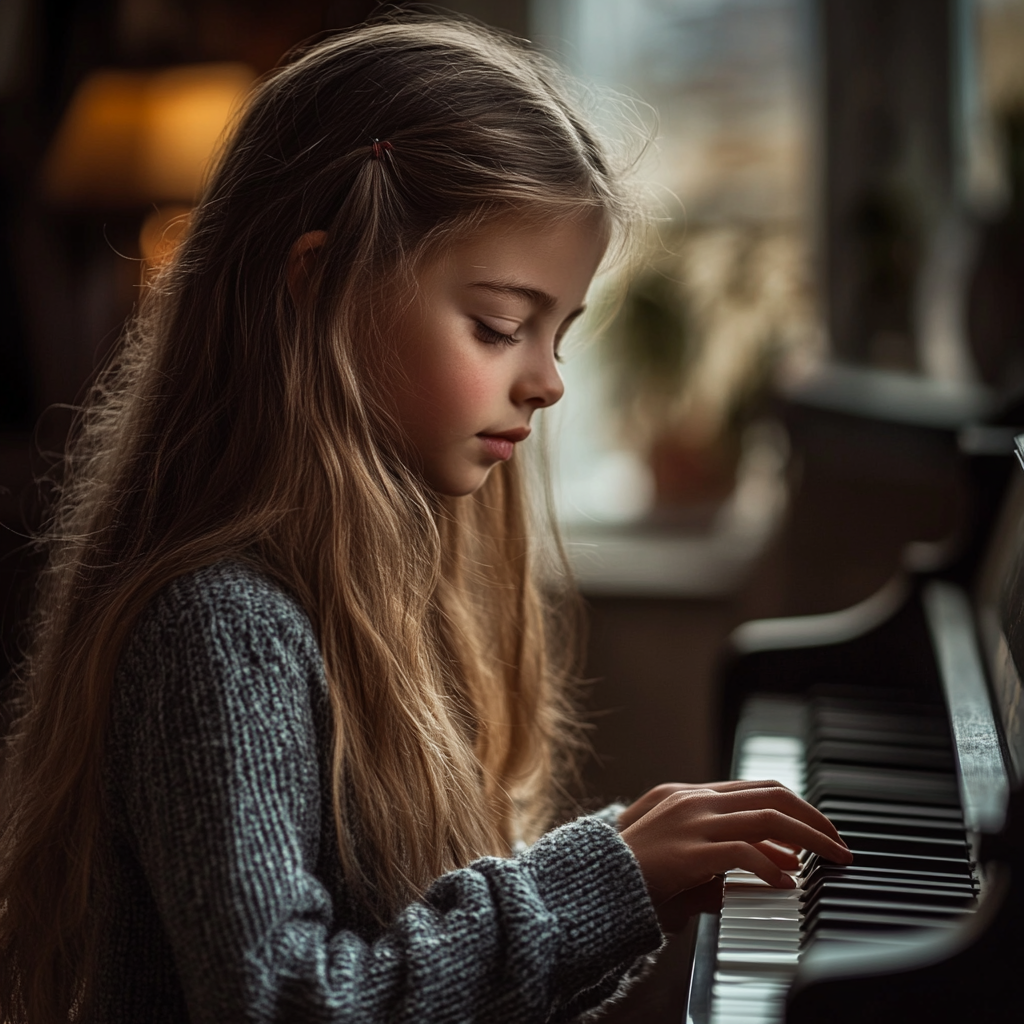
[(457, 390), (450, 380), (472, 387)]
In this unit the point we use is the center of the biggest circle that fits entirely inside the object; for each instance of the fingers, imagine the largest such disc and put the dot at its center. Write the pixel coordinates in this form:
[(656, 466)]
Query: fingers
[(739, 784), (772, 813), (655, 796), (651, 799), (780, 799), (753, 859), (698, 832), (781, 857), (795, 847), (766, 823)]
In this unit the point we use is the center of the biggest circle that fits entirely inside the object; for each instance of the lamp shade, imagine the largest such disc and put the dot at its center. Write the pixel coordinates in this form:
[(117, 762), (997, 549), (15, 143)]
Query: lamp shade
[(135, 138)]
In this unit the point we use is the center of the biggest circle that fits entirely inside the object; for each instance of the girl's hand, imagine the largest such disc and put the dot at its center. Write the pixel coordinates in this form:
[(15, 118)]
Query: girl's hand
[(694, 833), (654, 796)]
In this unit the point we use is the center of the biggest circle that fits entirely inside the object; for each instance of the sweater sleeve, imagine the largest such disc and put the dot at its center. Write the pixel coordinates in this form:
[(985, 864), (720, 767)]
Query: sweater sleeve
[(610, 814), (220, 780)]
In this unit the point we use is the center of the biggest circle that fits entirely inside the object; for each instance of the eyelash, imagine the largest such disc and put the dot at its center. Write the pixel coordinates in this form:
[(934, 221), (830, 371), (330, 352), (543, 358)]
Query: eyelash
[(493, 337)]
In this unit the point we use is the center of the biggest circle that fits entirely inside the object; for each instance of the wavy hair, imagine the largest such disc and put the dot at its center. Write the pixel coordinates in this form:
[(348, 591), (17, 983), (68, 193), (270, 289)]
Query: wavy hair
[(234, 423)]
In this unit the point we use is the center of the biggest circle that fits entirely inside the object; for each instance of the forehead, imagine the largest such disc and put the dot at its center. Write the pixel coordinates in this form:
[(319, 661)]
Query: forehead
[(558, 258)]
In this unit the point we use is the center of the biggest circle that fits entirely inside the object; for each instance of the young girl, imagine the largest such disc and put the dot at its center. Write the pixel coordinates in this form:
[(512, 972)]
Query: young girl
[(296, 697)]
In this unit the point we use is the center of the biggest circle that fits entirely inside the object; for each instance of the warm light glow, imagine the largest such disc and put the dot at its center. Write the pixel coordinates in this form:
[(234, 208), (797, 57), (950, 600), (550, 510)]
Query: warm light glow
[(161, 232), (131, 138)]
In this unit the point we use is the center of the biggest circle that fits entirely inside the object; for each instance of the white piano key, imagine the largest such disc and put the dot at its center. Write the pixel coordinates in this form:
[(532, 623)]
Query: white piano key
[(759, 939), (756, 908), (749, 990), (736, 1000), (749, 910), (762, 929), (748, 943), (766, 960), (746, 903), (768, 925), (751, 1013), (753, 937)]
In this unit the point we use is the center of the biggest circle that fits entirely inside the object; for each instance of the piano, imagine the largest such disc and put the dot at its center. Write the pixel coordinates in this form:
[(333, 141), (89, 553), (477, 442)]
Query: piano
[(902, 719)]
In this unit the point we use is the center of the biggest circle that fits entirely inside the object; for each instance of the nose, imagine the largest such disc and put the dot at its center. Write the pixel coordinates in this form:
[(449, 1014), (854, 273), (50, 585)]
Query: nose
[(539, 384)]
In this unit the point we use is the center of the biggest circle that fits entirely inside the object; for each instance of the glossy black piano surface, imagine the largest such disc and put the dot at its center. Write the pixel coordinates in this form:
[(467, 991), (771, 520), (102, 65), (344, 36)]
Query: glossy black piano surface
[(903, 720)]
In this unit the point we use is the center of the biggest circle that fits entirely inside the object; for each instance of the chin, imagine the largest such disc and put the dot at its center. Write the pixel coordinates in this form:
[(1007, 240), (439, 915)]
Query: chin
[(460, 486)]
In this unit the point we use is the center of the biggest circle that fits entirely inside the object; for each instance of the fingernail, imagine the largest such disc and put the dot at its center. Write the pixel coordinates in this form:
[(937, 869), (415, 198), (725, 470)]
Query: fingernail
[(788, 882)]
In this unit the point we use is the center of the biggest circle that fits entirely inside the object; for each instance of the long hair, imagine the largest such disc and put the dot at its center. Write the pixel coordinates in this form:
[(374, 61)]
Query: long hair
[(237, 423)]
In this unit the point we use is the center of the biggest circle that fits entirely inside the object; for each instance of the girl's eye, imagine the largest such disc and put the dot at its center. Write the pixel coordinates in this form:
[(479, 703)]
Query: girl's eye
[(493, 337)]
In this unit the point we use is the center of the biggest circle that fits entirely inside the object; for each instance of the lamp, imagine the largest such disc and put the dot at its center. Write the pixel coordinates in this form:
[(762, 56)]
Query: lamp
[(131, 139)]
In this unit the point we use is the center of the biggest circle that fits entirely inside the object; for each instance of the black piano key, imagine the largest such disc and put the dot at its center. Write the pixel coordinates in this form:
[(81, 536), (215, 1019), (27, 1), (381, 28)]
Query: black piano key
[(908, 738), (893, 784), (876, 714), (893, 939), (887, 842), (960, 887), (830, 806), (896, 876), (934, 827), (924, 731), (881, 894), (955, 885), (827, 751), (942, 865), (880, 717), (886, 779), (836, 906), (856, 916)]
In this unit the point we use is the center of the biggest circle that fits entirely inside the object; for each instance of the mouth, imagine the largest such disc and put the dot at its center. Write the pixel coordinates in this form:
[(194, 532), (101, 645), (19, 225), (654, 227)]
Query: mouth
[(500, 446)]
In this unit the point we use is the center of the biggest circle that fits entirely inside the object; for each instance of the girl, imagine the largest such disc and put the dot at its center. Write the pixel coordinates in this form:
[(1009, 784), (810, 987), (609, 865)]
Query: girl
[(295, 695)]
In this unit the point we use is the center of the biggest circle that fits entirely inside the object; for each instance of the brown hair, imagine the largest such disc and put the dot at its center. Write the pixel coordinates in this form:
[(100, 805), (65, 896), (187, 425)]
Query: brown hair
[(235, 425)]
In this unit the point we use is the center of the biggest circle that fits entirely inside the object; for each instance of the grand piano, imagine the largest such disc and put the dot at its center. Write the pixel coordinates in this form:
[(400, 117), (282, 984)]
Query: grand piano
[(902, 719)]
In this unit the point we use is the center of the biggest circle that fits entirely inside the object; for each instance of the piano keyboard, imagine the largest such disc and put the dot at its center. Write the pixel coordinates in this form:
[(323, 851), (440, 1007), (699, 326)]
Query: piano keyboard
[(884, 774)]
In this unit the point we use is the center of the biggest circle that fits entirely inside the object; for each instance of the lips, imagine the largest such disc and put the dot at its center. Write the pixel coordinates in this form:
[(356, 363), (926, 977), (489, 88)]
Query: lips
[(500, 446), (497, 447)]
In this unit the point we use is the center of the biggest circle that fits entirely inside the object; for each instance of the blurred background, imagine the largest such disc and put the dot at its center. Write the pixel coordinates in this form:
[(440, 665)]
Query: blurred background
[(835, 287)]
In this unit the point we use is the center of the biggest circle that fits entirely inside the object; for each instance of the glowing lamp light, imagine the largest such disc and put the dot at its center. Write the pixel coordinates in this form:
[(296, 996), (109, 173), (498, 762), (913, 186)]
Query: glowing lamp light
[(159, 236), (138, 138)]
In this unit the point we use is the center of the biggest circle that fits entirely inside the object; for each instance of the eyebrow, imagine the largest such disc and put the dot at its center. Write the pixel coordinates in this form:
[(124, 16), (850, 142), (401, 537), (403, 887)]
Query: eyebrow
[(540, 299)]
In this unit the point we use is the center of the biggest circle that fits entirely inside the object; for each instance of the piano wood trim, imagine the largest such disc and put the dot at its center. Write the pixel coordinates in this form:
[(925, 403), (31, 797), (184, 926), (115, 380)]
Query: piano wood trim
[(702, 978), (982, 775), (821, 630)]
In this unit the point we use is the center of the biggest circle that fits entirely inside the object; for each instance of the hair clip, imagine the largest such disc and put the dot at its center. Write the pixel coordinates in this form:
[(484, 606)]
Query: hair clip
[(380, 147)]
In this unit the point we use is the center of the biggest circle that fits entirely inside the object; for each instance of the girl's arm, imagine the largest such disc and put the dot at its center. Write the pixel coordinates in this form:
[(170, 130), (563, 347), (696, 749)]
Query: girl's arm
[(218, 742)]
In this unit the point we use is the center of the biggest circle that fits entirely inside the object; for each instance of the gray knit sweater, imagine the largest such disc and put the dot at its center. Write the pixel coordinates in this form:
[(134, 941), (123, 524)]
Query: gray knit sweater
[(227, 901)]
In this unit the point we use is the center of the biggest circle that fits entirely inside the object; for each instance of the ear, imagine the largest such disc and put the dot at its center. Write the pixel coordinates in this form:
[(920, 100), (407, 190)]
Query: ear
[(301, 261)]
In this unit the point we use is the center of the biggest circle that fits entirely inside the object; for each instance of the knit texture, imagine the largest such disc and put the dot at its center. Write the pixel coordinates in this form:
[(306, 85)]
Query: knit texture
[(226, 900)]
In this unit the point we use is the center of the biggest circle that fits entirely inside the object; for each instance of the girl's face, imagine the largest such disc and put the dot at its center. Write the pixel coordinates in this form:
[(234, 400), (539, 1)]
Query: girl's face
[(475, 350)]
